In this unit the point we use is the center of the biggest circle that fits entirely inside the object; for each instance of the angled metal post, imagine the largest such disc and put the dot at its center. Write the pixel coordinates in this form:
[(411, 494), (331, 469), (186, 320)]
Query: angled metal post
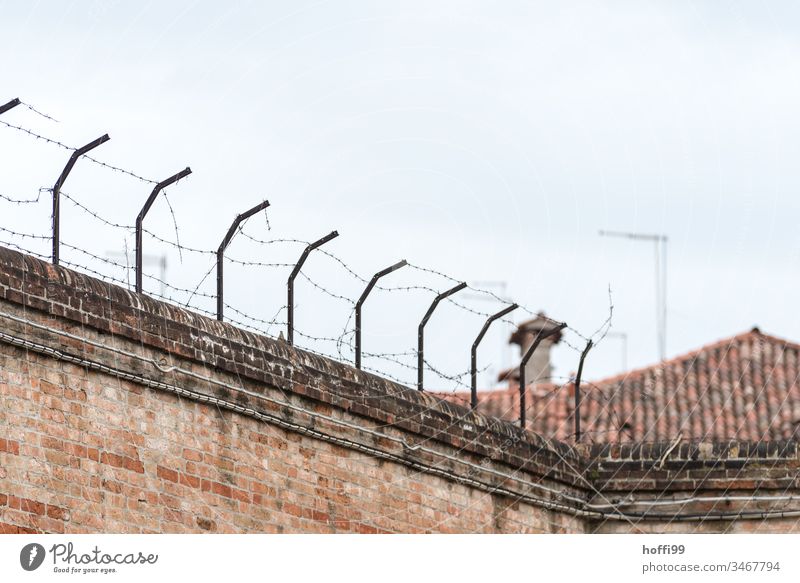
[(421, 330), (57, 190), (542, 335), (293, 275), (10, 105), (586, 350), (224, 245), (474, 354), (150, 199), (363, 297)]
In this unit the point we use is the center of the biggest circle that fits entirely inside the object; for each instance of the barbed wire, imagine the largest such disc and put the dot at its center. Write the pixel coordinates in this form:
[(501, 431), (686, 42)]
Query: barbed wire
[(26, 235), (175, 223), (18, 247), (315, 338), (342, 341), (37, 112), (200, 283), (263, 325), (64, 146), (172, 244), (327, 291), (269, 323), (90, 212), (120, 170), (258, 263), (18, 201)]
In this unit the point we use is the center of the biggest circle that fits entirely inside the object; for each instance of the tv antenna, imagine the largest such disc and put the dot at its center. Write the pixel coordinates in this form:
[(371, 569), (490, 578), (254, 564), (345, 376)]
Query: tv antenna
[(660, 247)]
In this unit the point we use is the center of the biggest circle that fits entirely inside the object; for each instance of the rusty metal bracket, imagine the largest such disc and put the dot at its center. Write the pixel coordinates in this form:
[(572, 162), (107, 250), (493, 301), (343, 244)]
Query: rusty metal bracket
[(10, 105), (150, 200), (363, 297), (578, 376), (221, 252), (421, 330), (290, 283), (474, 354), (57, 190)]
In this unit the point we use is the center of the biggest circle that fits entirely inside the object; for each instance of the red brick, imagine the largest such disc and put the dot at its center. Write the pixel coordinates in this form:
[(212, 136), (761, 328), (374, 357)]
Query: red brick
[(192, 455), (189, 480), (32, 506), (9, 446), (57, 512), (121, 461), (240, 495), (134, 465), (50, 388), (167, 474), (221, 489)]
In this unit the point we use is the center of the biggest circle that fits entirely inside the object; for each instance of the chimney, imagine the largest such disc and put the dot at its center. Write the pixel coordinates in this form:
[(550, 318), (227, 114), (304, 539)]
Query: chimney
[(538, 369)]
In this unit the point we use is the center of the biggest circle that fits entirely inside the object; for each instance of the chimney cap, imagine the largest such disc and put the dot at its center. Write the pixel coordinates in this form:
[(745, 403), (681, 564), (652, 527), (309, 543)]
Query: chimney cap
[(533, 327)]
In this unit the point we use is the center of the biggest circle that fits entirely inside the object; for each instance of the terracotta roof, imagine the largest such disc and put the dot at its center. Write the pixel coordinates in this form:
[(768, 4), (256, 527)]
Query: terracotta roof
[(745, 387)]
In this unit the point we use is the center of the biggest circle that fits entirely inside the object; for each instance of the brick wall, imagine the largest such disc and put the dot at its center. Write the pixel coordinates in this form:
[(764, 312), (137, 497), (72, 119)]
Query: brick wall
[(691, 480), (119, 413)]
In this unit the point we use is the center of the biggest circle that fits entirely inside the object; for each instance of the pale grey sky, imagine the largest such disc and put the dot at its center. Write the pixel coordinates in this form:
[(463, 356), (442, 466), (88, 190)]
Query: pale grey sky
[(488, 140)]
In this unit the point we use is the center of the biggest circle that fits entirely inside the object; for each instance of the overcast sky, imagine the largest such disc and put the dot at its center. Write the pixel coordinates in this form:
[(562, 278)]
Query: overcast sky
[(487, 140)]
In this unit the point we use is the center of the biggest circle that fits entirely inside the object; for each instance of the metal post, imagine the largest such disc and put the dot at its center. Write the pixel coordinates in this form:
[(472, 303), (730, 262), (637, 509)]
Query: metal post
[(523, 363), (150, 199), (363, 297), (221, 251), (421, 330), (578, 391), (57, 190), (10, 105), (293, 275), (474, 355)]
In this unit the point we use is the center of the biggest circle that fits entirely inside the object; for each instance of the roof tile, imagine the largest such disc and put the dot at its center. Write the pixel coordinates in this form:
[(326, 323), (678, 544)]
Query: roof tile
[(744, 387)]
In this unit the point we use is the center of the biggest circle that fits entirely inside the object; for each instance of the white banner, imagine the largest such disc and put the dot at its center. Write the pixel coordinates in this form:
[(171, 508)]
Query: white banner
[(410, 559)]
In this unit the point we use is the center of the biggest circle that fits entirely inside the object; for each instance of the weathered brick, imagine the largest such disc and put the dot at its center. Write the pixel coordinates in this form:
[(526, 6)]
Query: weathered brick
[(167, 474)]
